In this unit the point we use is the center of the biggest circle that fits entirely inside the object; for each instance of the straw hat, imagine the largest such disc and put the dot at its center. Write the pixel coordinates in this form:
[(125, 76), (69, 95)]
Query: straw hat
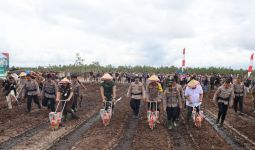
[(65, 80), (153, 78), (22, 74), (106, 76), (193, 83)]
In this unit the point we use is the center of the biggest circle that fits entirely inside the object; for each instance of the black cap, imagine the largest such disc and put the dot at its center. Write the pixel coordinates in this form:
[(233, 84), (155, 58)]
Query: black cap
[(74, 75), (48, 76)]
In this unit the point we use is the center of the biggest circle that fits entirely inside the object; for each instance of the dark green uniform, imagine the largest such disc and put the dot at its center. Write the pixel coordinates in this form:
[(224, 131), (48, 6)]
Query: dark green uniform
[(108, 90)]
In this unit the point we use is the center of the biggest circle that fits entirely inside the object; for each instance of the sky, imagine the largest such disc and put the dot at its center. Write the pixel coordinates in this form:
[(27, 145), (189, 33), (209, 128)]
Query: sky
[(216, 33)]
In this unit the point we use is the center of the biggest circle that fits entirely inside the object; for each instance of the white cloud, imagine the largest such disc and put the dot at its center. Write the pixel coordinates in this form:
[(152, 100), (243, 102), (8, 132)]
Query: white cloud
[(135, 32)]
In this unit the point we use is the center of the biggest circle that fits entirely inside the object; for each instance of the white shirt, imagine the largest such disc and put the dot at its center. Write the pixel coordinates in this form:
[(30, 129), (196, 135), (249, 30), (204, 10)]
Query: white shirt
[(194, 95)]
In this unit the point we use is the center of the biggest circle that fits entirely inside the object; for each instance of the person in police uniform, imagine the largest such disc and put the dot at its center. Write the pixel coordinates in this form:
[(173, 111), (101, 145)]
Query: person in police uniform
[(240, 94), (31, 92), (172, 103), (137, 93), (49, 92), (76, 91), (176, 82), (223, 97)]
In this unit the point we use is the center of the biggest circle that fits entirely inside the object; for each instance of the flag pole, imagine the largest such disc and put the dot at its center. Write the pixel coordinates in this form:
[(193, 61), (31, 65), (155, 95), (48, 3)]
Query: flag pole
[(183, 59)]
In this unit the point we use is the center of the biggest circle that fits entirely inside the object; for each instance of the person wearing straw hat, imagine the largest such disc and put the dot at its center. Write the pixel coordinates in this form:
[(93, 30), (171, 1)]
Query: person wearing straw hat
[(154, 94), (65, 92), (31, 92), (194, 97), (136, 92), (107, 89)]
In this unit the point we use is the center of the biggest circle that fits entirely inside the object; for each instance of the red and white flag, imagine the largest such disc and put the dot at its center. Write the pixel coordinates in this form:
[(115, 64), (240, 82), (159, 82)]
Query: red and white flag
[(183, 59), (251, 65)]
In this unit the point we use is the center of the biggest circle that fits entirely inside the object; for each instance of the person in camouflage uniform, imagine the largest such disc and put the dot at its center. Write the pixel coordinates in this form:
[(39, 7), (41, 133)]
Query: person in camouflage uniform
[(49, 92), (223, 97)]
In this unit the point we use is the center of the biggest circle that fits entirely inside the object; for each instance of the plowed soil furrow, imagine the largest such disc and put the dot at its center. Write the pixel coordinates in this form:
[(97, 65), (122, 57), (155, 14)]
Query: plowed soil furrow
[(48, 139), (23, 125), (235, 141), (68, 140), (145, 138), (42, 134), (128, 136), (205, 137), (180, 137), (101, 137), (22, 137), (242, 124)]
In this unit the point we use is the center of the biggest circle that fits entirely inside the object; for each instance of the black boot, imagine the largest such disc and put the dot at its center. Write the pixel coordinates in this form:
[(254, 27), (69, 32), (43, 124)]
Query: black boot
[(74, 115), (217, 121), (221, 124)]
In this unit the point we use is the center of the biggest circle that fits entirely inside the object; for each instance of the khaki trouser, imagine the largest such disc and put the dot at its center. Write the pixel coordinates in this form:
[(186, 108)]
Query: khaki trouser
[(9, 98)]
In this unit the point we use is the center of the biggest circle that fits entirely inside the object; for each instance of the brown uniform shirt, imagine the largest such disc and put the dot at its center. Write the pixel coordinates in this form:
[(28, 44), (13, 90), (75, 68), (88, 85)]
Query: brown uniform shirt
[(136, 91), (172, 98), (224, 95), (49, 89), (239, 89), (31, 88)]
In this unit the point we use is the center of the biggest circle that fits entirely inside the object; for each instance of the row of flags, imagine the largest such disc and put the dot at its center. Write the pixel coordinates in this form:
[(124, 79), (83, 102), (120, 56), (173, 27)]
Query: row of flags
[(184, 62)]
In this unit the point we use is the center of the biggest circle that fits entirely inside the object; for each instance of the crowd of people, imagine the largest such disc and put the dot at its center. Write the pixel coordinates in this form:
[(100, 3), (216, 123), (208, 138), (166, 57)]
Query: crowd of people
[(163, 93)]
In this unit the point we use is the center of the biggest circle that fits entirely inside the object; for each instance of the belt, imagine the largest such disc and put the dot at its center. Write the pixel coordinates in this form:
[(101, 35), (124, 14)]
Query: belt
[(239, 92), (50, 93), (31, 90), (136, 93), (225, 99)]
